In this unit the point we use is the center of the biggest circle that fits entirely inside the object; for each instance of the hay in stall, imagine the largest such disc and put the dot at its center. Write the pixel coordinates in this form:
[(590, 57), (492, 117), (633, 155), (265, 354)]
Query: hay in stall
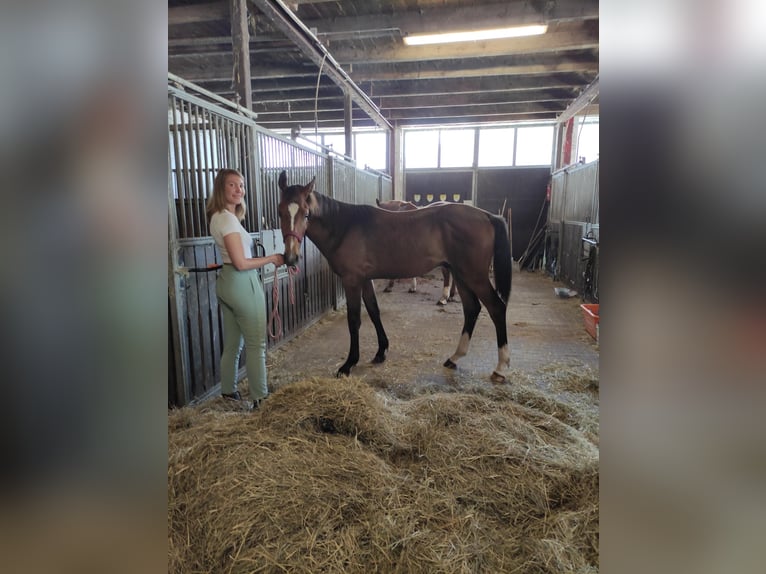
[(332, 476)]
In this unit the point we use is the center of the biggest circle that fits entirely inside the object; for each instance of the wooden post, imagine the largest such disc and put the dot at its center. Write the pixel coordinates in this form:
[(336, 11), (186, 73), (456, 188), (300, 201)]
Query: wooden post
[(240, 37)]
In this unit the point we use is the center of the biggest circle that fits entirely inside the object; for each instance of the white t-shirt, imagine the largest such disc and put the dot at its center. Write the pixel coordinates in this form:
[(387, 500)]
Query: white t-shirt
[(222, 224)]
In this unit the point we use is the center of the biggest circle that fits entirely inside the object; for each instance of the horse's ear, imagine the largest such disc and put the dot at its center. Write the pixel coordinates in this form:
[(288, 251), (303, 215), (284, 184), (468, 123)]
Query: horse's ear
[(309, 186), (283, 180)]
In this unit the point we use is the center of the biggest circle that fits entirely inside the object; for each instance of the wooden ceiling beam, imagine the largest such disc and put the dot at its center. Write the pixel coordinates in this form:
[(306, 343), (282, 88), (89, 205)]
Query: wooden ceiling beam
[(556, 41), (589, 94), (284, 20), (427, 20), (521, 70), (197, 13)]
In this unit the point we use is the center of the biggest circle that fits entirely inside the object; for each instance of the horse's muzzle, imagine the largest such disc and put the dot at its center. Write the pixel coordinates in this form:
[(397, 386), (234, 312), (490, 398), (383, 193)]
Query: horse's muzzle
[(291, 259), (292, 248)]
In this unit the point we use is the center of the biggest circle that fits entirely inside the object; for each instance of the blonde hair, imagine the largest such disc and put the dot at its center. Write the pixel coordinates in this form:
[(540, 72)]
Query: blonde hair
[(217, 201)]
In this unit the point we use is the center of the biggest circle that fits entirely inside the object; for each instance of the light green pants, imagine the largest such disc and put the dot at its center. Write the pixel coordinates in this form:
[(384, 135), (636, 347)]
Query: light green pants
[(243, 305)]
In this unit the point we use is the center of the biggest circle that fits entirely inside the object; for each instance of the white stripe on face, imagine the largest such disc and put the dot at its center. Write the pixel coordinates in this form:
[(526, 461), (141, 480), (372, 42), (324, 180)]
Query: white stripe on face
[(292, 209)]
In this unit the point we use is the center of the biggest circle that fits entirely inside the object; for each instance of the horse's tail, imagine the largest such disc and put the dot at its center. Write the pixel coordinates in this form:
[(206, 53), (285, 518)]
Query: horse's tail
[(502, 258)]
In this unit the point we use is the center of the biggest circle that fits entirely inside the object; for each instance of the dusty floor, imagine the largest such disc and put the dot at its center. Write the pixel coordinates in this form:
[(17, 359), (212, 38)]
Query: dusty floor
[(546, 334)]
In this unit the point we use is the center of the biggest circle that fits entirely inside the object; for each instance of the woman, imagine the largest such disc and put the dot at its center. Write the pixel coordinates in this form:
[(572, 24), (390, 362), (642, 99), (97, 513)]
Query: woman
[(239, 289)]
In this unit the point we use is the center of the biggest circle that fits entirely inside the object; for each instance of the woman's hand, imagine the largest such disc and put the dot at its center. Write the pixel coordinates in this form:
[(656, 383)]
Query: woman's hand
[(278, 259)]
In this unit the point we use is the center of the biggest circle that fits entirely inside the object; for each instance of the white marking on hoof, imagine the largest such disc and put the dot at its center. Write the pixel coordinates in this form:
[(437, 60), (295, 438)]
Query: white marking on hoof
[(462, 347), (503, 362)]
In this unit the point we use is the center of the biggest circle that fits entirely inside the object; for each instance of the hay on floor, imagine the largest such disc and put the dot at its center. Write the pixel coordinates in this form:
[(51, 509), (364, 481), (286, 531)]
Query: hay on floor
[(331, 476)]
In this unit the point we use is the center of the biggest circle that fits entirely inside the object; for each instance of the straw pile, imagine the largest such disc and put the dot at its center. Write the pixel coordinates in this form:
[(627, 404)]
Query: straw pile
[(332, 476)]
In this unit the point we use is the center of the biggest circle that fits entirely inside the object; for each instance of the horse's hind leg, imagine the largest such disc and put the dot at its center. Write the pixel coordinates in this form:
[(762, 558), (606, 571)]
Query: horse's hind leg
[(497, 311), (414, 288), (389, 287), (448, 289), (371, 303), (471, 309)]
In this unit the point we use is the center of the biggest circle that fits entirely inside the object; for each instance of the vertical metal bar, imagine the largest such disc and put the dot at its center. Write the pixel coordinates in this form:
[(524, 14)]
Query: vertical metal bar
[(194, 135), (189, 191), (177, 304), (209, 154), (255, 179), (191, 200), (180, 175)]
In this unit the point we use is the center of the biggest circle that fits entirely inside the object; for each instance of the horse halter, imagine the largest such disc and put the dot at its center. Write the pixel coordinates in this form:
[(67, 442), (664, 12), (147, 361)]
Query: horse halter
[(297, 236)]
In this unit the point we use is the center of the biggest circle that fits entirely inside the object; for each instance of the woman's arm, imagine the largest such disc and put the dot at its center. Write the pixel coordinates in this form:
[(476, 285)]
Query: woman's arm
[(233, 244)]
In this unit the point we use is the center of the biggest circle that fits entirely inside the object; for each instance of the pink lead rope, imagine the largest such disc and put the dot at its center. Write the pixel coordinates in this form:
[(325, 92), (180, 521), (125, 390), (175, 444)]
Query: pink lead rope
[(275, 318)]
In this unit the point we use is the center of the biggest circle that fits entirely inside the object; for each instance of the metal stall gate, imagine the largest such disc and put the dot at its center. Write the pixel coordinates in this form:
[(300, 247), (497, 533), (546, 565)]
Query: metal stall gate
[(203, 138), (573, 228)]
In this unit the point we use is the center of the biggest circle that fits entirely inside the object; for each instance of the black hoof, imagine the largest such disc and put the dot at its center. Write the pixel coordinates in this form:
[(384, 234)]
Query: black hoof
[(343, 372), (387, 290), (378, 359), (412, 291), (449, 364)]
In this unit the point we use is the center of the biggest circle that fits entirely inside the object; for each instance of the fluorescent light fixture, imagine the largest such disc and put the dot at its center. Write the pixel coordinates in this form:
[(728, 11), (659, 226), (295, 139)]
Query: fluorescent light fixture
[(514, 32)]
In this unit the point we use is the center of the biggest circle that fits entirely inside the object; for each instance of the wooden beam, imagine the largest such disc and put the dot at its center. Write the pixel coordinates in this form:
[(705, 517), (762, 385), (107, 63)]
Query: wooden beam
[(283, 19), (463, 72), (240, 38), (427, 20), (585, 98), (196, 13), (557, 41)]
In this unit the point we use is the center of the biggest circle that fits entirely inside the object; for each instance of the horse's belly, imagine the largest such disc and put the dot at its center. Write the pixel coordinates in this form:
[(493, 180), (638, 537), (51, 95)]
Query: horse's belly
[(406, 265)]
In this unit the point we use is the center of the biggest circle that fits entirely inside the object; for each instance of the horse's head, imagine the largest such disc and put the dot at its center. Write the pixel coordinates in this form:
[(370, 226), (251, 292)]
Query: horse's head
[(294, 210)]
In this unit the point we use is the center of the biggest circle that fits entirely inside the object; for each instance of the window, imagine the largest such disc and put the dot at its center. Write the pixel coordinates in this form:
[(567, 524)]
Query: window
[(587, 142), (496, 147), (337, 142), (456, 148), (421, 149), (371, 150), (534, 145)]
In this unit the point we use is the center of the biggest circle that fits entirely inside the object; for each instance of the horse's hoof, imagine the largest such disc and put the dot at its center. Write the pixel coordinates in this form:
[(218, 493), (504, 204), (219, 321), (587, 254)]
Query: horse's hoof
[(497, 377), (411, 290), (378, 359), (387, 290), (449, 364), (441, 302), (343, 372)]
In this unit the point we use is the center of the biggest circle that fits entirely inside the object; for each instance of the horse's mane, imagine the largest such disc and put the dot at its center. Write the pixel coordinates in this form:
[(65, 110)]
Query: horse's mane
[(342, 214)]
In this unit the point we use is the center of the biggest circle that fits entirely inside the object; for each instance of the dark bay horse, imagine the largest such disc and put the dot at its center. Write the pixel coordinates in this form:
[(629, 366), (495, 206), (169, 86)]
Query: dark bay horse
[(448, 286), (363, 242)]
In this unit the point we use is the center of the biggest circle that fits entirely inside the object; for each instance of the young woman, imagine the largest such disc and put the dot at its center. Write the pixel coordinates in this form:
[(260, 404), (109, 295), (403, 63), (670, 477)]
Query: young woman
[(239, 290)]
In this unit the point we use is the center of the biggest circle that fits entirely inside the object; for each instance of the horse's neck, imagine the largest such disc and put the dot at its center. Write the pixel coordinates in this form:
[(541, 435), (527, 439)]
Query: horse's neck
[(329, 222)]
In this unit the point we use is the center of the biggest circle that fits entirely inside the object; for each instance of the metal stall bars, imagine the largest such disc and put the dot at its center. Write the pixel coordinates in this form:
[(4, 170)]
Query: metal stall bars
[(205, 135), (574, 215)]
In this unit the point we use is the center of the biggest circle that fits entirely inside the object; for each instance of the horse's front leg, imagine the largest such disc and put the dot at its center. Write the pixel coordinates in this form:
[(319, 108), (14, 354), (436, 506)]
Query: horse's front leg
[(353, 314), (371, 304)]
